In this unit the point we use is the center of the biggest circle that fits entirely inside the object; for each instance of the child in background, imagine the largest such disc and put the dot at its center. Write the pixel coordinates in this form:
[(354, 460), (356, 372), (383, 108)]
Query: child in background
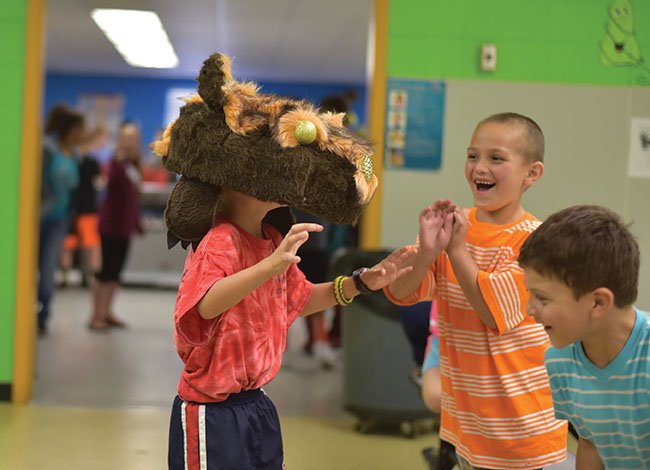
[(84, 234), (445, 457), (582, 270), (322, 344), (496, 406), (415, 323), (65, 130), (420, 323), (314, 263), (119, 220)]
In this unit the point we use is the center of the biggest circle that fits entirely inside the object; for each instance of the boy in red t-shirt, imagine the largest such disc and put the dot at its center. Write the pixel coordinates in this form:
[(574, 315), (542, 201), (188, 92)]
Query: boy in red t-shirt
[(245, 158), (240, 292)]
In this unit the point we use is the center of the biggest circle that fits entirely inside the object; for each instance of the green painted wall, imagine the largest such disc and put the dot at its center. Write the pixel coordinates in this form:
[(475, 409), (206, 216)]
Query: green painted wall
[(13, 19), (538, 41), (549, 68)]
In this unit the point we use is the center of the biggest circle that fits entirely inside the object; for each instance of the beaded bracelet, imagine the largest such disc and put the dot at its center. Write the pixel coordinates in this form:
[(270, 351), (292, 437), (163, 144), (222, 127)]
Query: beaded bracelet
[(337, 287), (342, 294)]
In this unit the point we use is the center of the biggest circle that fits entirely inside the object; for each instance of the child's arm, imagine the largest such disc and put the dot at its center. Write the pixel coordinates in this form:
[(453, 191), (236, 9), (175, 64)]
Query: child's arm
[(587, 457), (232, 289), (466, 270), (435, 232), (383, 273)]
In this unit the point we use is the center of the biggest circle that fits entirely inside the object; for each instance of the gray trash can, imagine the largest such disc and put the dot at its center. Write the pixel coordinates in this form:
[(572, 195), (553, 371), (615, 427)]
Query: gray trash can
[(377, 357)]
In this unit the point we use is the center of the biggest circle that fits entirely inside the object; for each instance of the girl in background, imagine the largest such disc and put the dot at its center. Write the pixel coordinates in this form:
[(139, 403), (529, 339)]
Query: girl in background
[(119, 220), (65, 130)]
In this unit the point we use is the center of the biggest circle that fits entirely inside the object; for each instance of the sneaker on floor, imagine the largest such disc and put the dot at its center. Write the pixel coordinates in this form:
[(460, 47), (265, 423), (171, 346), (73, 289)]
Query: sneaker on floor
[(430, 458), (325, 355), (442, 459)]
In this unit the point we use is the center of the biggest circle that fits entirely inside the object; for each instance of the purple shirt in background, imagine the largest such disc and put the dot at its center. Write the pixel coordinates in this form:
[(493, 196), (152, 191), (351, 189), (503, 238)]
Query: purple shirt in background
[(119, 215)]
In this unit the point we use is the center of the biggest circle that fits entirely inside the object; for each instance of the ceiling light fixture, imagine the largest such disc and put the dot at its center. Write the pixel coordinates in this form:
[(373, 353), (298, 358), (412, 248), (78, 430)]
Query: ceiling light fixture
[(138, 36)]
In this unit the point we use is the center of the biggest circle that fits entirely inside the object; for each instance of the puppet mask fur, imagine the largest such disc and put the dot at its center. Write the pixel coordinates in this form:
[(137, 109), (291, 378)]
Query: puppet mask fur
[(231, 136)]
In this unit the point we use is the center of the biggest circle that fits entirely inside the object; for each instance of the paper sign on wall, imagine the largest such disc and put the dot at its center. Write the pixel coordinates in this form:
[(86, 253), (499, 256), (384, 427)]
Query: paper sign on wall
[(414, 124), (639, 163)]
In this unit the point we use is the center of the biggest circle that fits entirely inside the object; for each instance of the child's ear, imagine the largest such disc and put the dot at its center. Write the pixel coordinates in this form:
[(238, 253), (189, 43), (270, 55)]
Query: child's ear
[(535, 172), (603, 302)]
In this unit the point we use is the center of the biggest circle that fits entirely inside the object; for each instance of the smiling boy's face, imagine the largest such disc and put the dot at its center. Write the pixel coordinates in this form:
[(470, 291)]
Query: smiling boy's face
[(552, 303), (496, 169)]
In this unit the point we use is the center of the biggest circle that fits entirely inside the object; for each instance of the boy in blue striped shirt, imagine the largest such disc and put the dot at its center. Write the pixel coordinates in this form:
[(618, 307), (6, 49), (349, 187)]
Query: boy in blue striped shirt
[(582, 268)]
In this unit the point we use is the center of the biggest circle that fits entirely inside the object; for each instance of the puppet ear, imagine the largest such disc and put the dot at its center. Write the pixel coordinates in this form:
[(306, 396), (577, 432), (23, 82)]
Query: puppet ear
[(190, 209), (214, 74)]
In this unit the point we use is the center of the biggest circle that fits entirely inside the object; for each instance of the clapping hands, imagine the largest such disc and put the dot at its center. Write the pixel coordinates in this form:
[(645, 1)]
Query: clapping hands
[(442, 226)]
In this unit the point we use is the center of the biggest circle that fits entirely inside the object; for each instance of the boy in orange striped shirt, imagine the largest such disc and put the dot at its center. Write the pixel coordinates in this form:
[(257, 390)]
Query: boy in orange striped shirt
[(496, 405)]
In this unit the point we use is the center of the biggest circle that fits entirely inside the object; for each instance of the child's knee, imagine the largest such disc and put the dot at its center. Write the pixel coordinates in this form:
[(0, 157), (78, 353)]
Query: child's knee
[(431, 393)]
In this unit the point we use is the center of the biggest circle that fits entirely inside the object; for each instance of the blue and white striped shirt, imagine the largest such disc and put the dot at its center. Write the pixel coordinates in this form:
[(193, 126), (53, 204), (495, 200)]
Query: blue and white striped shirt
[(609, 406)]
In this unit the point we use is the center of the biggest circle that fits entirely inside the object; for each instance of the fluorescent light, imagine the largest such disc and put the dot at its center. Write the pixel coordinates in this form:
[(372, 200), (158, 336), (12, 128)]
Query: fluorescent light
[(138, 36)]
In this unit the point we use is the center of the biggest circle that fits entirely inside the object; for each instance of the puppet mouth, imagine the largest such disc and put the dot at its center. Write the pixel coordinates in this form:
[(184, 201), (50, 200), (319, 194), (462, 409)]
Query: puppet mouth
[(483, 185), (619, 46)]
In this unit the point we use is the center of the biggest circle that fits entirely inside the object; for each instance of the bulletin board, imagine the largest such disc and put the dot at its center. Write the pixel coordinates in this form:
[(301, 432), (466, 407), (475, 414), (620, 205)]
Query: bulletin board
[(414, 124)]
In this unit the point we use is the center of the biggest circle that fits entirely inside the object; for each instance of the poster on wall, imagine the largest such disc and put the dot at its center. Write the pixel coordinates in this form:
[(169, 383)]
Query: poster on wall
[(107, 111), (414, 124), (639, 163)]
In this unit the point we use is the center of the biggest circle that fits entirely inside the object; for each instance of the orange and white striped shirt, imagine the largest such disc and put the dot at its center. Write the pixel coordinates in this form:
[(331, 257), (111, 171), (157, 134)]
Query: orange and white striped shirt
[(497, 407)]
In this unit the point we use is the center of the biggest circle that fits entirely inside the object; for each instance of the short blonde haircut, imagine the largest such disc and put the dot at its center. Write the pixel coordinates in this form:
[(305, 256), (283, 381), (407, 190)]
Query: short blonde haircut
[(533, 144)]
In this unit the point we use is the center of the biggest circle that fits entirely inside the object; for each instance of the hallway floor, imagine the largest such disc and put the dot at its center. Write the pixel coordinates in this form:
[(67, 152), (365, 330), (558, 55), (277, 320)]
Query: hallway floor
[(102, 400)]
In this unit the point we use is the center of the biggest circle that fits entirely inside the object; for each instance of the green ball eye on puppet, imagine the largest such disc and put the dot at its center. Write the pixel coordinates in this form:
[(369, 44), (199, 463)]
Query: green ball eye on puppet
[(305, 132), (367, 167)]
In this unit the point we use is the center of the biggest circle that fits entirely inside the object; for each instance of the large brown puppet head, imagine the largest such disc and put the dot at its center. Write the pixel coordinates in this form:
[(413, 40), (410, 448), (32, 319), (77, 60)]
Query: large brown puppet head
[(271, 148)]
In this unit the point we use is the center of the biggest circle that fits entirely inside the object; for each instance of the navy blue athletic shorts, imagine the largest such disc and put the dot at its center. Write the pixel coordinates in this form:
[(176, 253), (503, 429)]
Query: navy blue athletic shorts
[(242, 432)]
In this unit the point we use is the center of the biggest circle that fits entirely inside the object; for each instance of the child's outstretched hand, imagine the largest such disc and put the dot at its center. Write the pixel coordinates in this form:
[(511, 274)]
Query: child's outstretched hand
[(390, 268), (285, 254)]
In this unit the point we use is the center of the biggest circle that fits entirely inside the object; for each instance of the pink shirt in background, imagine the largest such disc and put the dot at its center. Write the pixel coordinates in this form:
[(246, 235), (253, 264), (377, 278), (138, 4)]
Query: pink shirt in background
[(119, 214)]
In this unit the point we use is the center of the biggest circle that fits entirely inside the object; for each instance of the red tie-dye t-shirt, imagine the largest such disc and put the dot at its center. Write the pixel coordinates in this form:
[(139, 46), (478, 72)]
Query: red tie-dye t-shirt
[(242, 348)]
